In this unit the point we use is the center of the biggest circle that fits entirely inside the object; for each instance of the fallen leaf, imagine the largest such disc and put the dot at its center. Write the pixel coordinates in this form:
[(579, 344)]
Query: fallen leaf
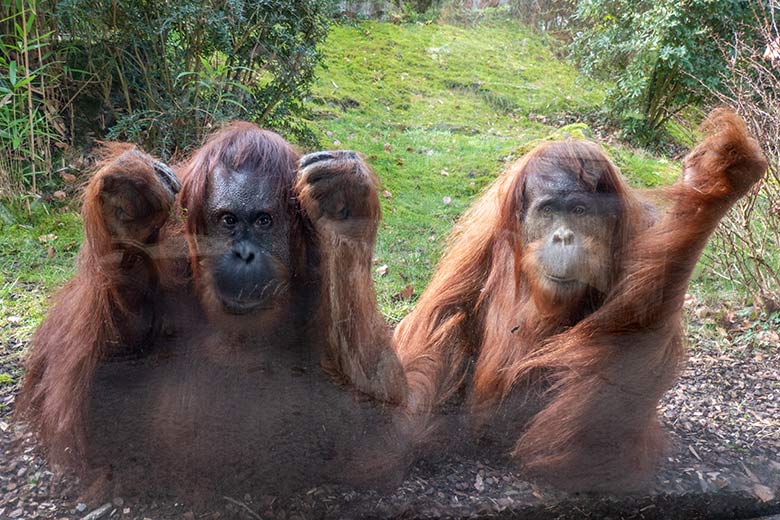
[(447, 201), (68, 178), (763, 493), (386, 194), (407, 292), (479, 483), (690, 448), (59, 195), (381, 270), (387, 147)]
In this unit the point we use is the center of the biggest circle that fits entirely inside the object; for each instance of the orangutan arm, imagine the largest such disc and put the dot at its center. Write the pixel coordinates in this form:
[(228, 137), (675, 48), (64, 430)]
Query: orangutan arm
[(337, 191)]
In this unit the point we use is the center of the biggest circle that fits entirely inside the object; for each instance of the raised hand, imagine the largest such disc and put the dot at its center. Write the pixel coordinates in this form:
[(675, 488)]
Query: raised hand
[(135, 194), (337, 191), (728, 162)]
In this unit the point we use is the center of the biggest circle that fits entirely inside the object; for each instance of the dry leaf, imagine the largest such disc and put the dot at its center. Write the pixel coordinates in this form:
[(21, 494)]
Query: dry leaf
[(59, 195), (407, 292), (68, 178), (381, 270), (447, 201), (763, 492), (386, 194)]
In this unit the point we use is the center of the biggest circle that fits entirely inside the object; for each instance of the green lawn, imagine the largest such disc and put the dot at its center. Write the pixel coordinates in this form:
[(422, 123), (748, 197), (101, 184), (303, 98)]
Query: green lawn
[(439, 111)]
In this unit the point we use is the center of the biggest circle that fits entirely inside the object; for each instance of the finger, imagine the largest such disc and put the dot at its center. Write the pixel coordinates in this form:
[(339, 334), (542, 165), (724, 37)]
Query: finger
[(167, 176), (309, 159)]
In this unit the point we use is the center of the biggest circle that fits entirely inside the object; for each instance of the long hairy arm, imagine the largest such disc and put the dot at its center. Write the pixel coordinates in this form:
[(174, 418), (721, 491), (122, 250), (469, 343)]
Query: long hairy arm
[(337, 192)]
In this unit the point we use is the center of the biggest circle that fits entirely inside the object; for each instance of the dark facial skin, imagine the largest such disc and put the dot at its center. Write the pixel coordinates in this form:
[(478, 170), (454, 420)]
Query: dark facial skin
[(568, 228), (248, 227)]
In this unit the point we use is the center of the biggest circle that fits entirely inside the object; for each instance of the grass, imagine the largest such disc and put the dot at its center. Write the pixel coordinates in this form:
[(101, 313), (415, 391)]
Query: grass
[(438, 110)]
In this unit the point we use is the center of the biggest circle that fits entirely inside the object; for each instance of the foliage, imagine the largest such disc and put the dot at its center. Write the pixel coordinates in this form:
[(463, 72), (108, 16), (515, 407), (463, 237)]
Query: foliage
[(165, 72), (418, 6), (657, 52), (546, 15), (29, 74), (161, 73), (745, 250)]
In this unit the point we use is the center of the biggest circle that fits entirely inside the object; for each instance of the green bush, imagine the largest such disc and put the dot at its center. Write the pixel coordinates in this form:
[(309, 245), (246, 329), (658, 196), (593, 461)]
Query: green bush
[(745, 251), (658, 53), (161, 73), (164, 72), (546, 15), (30, 124)]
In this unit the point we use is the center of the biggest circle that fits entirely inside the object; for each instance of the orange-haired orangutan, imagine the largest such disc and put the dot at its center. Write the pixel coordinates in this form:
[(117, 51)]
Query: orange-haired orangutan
[(555, 316), (201, 336)]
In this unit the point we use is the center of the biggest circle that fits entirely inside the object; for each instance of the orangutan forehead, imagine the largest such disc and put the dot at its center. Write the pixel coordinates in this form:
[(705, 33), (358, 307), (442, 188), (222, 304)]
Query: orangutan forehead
[(555, 168), (244, 188), (555, 181)]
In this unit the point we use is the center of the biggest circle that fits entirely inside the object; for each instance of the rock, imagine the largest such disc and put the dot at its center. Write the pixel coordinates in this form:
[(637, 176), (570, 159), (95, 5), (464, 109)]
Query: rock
[(99, 512), (81, 507)]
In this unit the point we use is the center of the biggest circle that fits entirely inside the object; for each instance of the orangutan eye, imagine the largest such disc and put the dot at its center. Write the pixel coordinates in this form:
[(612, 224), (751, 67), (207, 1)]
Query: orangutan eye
[(578, 210), (229, 220), (546, 209), (264, 220)]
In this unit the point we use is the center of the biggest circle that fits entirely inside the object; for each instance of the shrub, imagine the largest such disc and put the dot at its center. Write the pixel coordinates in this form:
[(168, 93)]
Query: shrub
[(30, 124), (658, 53), (164, 72), (161, 73), (746, 247), (546, 15)]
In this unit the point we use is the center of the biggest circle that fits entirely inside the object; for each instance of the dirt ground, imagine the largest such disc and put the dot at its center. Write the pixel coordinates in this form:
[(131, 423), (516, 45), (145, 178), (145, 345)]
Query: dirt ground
[(723, 417)]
